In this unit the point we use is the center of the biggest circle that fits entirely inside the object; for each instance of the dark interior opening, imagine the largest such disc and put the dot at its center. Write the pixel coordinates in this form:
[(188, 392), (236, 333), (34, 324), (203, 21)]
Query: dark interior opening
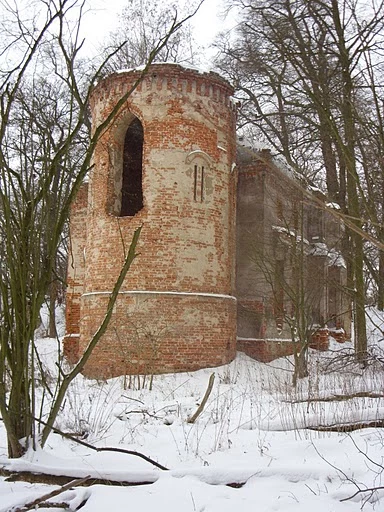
[(279, 286), (315, 224), (132, 186)]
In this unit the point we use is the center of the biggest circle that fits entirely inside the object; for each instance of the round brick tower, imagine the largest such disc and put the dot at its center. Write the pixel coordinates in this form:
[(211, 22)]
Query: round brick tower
[(165, 163)]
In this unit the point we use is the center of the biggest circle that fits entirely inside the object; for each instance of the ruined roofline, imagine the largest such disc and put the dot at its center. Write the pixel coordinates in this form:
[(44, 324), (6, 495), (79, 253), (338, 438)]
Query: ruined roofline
[(252, 157), (186, 67), (251, 152), (161, 76)]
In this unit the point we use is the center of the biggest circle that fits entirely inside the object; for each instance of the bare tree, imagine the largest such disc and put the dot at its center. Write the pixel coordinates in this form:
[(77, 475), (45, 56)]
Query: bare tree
[(141, 24), (43, 162), (301, 69)]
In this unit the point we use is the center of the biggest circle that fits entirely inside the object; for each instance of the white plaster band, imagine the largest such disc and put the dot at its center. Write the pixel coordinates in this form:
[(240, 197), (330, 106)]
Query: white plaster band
[(268, 340), (151, 292)]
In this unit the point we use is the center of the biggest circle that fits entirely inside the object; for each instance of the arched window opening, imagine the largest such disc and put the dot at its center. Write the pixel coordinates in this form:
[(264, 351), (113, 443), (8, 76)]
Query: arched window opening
[(132, 186)]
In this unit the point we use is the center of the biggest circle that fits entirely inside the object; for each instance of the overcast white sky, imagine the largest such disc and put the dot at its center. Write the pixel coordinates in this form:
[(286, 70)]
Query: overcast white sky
[(102, 18)]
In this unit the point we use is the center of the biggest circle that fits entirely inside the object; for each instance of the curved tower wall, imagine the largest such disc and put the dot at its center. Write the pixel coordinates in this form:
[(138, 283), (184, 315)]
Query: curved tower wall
[(176, 310)]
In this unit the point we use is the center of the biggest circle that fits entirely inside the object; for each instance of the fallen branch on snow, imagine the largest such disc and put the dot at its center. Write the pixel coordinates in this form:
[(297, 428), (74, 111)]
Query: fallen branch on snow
[(336, 398), (34, 477), (50, 479), (42, 499), (348, 427), (106, 449)]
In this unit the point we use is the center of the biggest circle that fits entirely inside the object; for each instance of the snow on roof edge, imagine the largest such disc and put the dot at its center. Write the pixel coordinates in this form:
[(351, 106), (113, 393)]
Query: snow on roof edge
[(189, 67)]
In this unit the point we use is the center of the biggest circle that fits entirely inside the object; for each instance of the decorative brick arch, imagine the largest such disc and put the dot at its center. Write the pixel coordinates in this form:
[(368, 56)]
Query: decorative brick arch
[(199, 168)]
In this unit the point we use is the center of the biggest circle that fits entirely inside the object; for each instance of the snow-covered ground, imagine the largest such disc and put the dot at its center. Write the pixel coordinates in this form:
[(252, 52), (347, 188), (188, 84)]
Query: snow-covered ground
[(252, 431)]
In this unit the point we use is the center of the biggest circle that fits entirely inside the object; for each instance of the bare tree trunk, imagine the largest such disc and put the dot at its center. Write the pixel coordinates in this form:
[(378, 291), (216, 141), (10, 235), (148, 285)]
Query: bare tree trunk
[(349, 122), (52, 333), (380, 282), (301, 366)]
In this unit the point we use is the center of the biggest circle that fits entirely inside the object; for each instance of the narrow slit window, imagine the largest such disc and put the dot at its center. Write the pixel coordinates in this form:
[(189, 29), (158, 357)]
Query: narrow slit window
[(198, 184), (195, 184), (132, 185), (202, 184)]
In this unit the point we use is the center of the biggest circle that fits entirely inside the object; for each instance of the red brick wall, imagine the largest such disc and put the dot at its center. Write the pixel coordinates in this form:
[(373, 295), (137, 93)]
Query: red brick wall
[(160, 333), (75, 273), (185, 246), (265, 350), (268, 350)]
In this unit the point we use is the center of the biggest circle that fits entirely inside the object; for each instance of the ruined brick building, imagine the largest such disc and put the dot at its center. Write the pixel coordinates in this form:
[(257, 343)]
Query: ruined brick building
[(197, 292)]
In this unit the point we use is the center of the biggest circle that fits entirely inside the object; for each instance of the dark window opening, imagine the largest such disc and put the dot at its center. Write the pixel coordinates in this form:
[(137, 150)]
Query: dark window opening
[(316, 288), (315, 224), (333, 296), (279, 210), (202, 185), (195, 184), (198, 186), (132, 186), (279, 293), (295, 218)]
